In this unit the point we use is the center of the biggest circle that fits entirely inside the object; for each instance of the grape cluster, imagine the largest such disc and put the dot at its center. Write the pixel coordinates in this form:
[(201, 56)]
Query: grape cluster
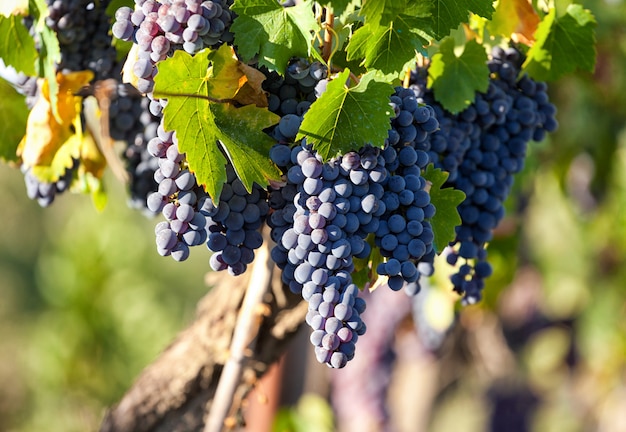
[(486, 147), (234, 224), (404, 235), (82, 28), (293, 94), (359, 407), (45, 192), (160, 28), (230, 228), (320, 221), (131, 122), (321, 218), (176, 198)]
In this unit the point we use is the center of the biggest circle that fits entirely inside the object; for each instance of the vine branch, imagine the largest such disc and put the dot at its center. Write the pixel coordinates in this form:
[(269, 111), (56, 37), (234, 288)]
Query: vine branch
[(244, 339)]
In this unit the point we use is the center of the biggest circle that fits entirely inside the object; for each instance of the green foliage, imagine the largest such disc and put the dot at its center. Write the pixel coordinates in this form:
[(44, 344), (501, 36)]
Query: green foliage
[(207, 128), (389, 47), (13, 112), (455, 80), (448, 14), (382, 12), (365, 268), (17, 47), (311, 414), (338, 6), (87, 304), (446, 202), (275, 33), (564, 43), (346, 118)]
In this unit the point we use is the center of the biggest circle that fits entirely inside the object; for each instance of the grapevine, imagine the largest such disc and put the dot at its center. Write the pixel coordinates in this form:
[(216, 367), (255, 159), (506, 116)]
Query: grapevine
[(369, 137)]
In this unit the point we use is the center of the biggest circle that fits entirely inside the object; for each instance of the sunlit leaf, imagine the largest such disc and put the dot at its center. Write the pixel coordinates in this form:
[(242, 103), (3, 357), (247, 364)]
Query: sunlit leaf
[(198, 89), (17, 47), (455, 80), (13, 114), (446, 202), (564, 43), (273, 32), (346, 118), (46, 146)]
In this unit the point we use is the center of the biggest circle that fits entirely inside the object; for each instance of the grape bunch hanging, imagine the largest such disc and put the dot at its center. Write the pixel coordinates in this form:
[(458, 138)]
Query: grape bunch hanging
[(360, 207)]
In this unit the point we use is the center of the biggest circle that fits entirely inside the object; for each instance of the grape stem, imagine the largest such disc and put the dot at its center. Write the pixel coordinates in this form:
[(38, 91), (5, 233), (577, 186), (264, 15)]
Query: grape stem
[(244, 339), (98, 124), (328, 52)]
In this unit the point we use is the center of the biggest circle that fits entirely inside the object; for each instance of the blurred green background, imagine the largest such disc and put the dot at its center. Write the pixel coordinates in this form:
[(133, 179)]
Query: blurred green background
[(86, 303)]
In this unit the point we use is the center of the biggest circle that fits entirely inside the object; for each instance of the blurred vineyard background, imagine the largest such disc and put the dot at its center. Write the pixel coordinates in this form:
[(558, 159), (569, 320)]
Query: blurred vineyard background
[(86, 303)]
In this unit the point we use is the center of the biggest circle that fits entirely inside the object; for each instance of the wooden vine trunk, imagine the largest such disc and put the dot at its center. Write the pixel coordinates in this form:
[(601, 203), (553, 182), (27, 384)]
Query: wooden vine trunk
[(176, 392)]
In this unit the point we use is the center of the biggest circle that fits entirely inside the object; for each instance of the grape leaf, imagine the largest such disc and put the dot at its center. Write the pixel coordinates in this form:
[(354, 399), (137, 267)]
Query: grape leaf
[(116, 4), (17, 47), (345, 119), (563, 44), (92, 165), (382, 12), (338, 6), (273, 32), (387, 47), (203, 124), (13, 115), (516, 19), (455, 80), (364, 273), (46, 146), (446, 201), (448, 14)]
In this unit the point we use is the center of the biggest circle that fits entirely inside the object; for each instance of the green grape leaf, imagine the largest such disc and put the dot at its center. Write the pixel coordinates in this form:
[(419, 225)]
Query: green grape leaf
[(382, 12), (563, 44), (17, 47), (446, 201), (364, 273), (455, 80), (116, 4), (273, 32), (13, 115), (204, 125), (448, 14), (387, 47), (345, 119), (338, 6)]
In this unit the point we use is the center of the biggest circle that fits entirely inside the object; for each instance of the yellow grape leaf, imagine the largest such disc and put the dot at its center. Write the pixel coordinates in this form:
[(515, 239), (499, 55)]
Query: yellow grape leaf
[(91, 158), (62, 158), (251, 92), (47, 134), (233, 80), (528, 22), (516, 19), (91, 170)]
